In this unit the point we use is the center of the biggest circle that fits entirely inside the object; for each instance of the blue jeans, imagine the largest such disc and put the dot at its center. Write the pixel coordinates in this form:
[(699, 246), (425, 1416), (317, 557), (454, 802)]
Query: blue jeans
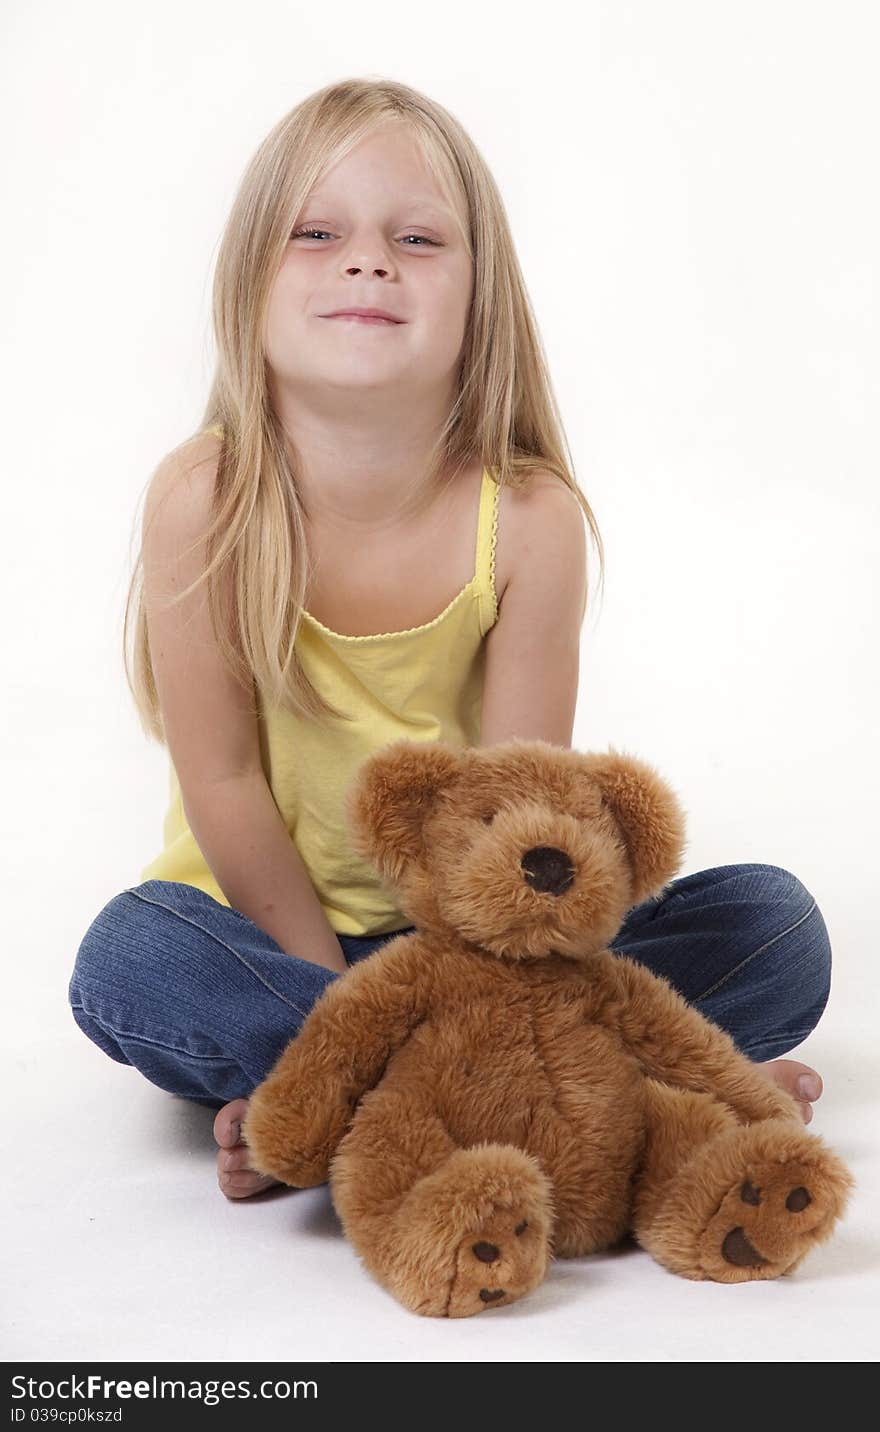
[(203, 1002)]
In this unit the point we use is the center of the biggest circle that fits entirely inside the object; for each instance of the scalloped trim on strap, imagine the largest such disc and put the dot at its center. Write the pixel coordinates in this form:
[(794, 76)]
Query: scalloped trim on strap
[(493, 543)]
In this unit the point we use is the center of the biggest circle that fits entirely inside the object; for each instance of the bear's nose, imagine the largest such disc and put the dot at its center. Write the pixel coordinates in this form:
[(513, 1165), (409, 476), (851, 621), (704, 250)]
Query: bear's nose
[(547, 869)]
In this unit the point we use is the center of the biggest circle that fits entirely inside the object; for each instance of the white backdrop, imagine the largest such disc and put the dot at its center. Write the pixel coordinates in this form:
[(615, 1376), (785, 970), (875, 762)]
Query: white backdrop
[(692, 191)]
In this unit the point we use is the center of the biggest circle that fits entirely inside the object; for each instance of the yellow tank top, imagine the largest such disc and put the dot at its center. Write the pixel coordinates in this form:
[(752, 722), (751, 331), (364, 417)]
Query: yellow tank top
[(425, 683)]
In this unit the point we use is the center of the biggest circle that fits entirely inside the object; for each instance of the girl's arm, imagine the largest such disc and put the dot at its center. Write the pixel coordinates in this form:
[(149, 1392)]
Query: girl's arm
[(210, 722), (245, 842)]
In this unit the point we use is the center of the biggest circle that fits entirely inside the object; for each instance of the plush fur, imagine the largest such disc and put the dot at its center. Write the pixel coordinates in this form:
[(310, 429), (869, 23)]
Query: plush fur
[(498, 1087)]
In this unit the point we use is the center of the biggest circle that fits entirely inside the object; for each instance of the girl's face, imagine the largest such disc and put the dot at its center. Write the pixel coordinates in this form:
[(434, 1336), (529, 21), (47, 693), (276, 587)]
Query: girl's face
[(375, 232)]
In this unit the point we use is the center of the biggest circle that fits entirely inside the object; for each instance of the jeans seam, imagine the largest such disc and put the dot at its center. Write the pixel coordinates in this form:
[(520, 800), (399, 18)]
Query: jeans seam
[(220, 941), (152, 1043), (730, 973)]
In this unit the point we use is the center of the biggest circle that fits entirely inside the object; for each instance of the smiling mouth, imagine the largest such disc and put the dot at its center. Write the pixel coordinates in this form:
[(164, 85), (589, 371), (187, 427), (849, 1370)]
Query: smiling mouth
[(364, 318)]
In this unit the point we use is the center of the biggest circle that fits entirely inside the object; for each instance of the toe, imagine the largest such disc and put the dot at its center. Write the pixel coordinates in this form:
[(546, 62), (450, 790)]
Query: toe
[(236, 1180), (810, 1084), (788, 1074), (244, 1183), (231, 1160), (227, 1124)]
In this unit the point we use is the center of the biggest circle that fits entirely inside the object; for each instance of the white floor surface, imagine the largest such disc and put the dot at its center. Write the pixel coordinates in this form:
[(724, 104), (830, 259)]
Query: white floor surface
[(120, 1246)]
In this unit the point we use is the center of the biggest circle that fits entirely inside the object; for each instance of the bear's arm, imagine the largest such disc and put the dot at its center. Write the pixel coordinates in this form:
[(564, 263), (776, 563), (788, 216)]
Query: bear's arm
[(676, 1044), (301, 1110)]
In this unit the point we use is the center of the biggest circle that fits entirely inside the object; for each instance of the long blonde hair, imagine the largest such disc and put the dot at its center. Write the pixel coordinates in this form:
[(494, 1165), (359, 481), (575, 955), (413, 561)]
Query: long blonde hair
[(504, 414)]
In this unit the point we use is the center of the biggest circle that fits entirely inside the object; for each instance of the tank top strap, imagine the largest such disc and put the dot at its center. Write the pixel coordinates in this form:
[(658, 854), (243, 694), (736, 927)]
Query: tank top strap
[(487, 538)]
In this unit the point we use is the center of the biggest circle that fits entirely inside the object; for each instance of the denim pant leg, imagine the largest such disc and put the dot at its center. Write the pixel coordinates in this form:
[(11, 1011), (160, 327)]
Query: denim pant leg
[(746, 945), (192, 992)]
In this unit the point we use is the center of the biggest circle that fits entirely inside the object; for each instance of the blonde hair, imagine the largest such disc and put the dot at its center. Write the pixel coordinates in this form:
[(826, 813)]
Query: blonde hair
[(504, 414)]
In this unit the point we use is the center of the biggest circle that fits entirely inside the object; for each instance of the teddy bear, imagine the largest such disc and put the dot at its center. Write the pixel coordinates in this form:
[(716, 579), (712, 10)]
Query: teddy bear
[(496, 1087)]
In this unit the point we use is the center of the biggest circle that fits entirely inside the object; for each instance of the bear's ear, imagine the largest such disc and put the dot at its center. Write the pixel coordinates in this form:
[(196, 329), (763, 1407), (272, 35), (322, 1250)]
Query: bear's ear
[(648, 816), (390, 797)]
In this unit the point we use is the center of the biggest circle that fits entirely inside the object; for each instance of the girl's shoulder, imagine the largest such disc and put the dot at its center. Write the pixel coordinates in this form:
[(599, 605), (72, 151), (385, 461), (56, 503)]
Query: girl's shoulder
[(198, 451), (185, 477)]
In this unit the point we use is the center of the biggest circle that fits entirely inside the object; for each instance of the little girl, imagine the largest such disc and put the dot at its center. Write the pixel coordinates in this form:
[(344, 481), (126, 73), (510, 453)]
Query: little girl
[(372, 536)]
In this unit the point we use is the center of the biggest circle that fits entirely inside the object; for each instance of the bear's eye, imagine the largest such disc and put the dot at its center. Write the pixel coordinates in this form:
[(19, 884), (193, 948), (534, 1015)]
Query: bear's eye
[(487, 817)]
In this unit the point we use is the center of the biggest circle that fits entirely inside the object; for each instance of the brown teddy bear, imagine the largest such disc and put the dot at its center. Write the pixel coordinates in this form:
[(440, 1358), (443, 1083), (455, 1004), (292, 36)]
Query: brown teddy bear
[(497, 1087)]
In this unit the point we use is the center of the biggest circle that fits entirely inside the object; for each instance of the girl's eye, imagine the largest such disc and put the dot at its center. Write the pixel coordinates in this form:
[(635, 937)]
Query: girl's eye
[(306, 233)]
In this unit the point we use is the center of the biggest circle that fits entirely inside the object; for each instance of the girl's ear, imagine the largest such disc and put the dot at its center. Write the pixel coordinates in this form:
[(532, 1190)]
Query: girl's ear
[(391, 796), (647, 813)]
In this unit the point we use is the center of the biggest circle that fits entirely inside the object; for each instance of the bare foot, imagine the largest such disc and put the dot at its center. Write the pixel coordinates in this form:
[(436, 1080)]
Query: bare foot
[(787, 1073), (234, 1176)]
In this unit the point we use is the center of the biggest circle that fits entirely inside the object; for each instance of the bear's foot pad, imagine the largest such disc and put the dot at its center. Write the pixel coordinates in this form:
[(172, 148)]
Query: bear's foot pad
[(473, 1234), (768, 1220), (505, 1260)]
